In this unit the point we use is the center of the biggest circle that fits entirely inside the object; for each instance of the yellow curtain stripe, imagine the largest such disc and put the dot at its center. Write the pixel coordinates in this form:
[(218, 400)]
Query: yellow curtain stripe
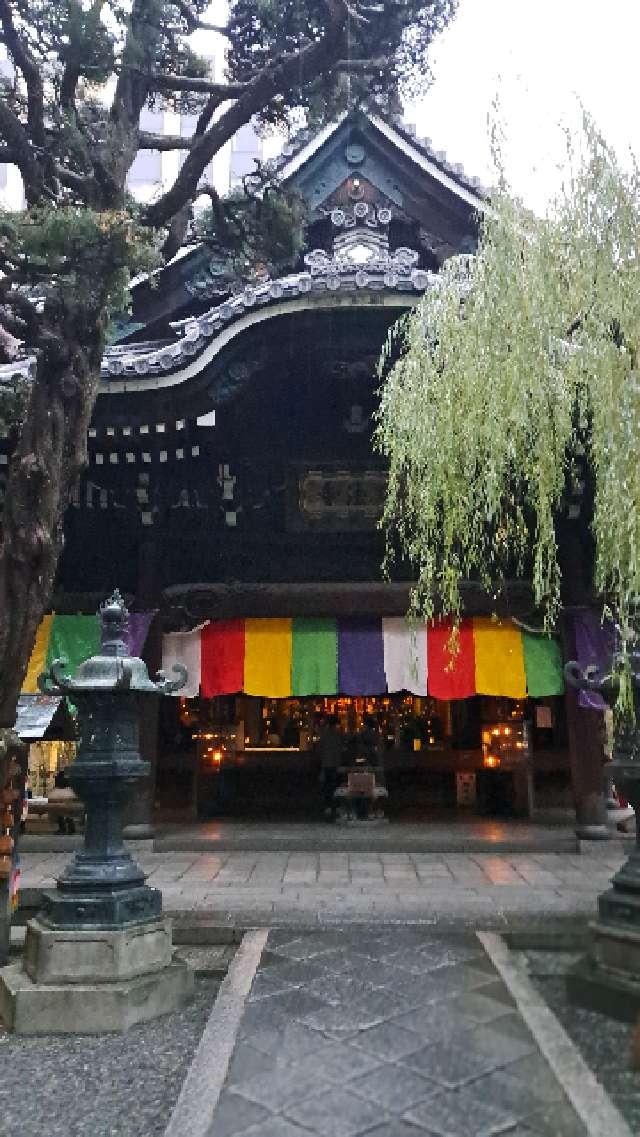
[(267, 658), (499, 658), (38, 656)]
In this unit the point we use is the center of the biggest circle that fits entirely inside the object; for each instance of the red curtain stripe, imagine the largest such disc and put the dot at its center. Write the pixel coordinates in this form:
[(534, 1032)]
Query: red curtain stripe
[(222, 657), (450, 677)]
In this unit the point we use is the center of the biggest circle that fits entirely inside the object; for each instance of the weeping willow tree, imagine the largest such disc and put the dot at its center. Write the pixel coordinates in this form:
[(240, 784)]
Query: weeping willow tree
[(518, 361)]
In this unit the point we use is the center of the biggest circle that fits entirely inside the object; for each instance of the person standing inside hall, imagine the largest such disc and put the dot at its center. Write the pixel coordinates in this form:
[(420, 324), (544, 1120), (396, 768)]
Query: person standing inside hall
[(369, 743), (330, 752)]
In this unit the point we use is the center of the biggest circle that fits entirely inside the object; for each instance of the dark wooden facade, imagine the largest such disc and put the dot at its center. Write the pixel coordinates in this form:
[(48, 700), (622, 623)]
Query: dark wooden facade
[(231, 468), (253, 463)]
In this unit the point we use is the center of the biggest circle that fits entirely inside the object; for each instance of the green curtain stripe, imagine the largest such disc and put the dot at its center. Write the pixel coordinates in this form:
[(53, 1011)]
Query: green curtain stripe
[(314, 660), (543, 665), (73, 638)]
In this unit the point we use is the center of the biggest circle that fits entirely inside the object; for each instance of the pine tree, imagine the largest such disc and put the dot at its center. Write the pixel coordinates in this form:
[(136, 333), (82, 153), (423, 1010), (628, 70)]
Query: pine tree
[(83, 70)]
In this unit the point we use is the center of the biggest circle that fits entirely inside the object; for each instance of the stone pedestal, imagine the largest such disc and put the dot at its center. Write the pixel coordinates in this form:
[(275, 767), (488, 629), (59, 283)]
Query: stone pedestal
[(98, 958), (608, 978), (92, 981)]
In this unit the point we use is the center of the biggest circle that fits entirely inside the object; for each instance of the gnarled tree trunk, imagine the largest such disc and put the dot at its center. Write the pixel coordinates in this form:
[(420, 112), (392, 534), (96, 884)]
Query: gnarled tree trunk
[(49, 456)]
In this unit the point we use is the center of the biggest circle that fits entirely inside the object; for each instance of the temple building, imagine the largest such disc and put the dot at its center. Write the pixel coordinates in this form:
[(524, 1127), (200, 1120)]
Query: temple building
[(233, 495)]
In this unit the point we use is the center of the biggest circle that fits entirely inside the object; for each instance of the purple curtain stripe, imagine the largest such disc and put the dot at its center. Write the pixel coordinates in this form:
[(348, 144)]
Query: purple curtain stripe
[(361, 657), (595, 642), (139, 624)]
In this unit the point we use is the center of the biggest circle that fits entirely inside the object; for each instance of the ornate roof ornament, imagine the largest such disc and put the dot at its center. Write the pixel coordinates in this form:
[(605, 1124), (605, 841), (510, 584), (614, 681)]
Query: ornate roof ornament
[(357, 264)]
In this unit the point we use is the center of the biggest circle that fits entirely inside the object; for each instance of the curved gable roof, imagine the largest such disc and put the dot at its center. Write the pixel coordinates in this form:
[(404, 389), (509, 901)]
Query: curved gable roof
[(305, 151)]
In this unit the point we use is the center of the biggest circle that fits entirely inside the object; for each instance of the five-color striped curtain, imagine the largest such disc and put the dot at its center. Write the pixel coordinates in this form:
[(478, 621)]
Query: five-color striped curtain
[(74, 639), (277, 658), (303, 656)]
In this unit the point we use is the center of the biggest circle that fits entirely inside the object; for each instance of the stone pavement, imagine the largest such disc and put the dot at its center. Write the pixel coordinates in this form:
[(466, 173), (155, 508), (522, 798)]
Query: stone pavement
[(385, 1032), (253, 888)]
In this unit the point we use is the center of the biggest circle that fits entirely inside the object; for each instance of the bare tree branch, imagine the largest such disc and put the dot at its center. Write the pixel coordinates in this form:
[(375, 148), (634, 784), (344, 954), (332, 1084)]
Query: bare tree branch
[(207, 113), (132, 87), (289, 70), (207, 190), (194, 23), (18, 142), (68, 84), (71, 73), (18, 314), (10, 345), (147, 141), (25, 62), (361, 65), (131, 93), (335, 7), (84, 185), (180, 220), (177, 230), (162, 82)]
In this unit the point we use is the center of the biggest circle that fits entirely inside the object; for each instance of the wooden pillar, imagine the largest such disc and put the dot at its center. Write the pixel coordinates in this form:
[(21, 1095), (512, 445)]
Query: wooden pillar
[(139, 818), (587, 755), (585, 728)]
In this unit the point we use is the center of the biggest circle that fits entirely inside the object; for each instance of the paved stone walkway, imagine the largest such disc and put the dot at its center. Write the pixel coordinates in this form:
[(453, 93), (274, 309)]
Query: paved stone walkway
[(389, 1033), (325, 887)]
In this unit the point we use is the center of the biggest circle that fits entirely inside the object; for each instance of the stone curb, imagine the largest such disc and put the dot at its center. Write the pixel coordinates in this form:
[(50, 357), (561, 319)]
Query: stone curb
[(554, 840), (336, 842), (194, 1109), (589, 1099)]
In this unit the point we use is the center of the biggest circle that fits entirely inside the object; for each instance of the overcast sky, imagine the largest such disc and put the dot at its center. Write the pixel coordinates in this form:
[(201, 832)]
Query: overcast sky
[(542, 58)]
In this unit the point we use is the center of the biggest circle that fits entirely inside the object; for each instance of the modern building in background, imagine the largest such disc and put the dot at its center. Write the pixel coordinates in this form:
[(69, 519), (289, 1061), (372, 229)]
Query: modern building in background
[(11, 193), (153, 171)]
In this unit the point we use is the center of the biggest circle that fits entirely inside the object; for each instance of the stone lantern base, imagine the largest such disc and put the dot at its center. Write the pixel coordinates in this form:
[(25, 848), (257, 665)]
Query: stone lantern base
[(608, 978), (94, 981)]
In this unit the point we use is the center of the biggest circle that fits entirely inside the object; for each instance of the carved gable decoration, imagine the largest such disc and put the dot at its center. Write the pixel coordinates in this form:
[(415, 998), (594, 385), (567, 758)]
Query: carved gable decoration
[(354, 189), (379, 164)]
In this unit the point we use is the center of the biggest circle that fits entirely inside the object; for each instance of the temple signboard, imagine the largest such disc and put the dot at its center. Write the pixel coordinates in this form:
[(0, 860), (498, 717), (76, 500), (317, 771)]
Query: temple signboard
[(336, 500)]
